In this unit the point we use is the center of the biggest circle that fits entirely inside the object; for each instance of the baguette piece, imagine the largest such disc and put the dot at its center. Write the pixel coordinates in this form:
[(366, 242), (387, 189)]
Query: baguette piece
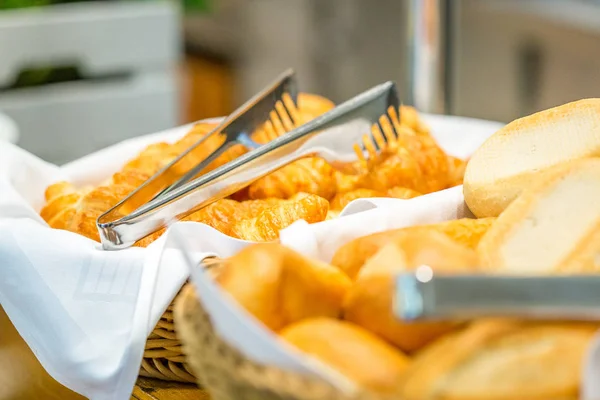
[(514, 156), (352, 256), (369, 302), (279, 286), (502, 360), (553, 227), (353, 351)]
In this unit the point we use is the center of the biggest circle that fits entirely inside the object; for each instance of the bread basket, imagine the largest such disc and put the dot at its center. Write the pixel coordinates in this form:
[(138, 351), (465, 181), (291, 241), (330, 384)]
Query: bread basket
[(163, 353), (229, 375)]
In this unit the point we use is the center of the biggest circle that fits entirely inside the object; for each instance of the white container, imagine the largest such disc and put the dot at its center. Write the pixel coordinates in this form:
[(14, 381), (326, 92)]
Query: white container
[(63, 122), (133, 46)]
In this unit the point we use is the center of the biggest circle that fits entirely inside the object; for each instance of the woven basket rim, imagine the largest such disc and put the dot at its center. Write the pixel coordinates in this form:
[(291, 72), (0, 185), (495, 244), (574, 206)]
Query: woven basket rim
[(228, 367)]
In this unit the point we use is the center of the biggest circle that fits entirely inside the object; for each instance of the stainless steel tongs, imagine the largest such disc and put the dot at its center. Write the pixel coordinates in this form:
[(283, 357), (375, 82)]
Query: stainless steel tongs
[(270, 109), (423, 295), (369, 121)]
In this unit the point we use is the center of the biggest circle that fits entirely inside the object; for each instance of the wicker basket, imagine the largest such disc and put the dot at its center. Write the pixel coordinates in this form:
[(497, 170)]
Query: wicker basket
[(228, 375), (163, 354)]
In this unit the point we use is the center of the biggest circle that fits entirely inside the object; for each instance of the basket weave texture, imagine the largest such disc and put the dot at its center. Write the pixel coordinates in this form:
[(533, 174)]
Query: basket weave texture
[(228, 375), (163, 354)]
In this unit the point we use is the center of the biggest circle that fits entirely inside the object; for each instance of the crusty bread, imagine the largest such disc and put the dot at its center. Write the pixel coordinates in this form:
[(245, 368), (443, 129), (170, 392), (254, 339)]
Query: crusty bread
[(515, 155), (553, 227), (369, 302), (352, 256), (279, 286), (501, 360), (353, 351)]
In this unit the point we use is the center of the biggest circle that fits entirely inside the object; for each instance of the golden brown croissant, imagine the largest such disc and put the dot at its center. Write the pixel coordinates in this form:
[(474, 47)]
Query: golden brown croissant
[(77, 211), (352, 256), (279, 286), (370, 300), (346, 182), (502, 359), (308, 175), (309, 107), (341, 200), (312, 105), (410, 117), (267, 224), (222, 215), (417, 163), (355, 352), (62, 199), (399, 192), (152, 158)]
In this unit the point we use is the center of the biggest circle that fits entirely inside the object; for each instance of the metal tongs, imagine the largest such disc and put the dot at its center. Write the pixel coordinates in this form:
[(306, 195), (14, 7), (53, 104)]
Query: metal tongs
[(265, 107), (423, 295), (368, 121)]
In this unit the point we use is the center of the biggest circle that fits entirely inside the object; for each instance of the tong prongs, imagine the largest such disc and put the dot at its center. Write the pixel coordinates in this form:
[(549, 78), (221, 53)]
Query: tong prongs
[(239, 126), (383, 135)]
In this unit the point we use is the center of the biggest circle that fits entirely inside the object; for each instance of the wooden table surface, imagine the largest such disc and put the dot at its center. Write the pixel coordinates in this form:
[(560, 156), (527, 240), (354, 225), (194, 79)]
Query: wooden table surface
[(23, 378)]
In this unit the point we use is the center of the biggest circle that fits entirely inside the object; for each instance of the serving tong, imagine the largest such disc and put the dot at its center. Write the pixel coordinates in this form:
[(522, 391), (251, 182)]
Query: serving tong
[(364, 125), (423, 295), (270, 110)]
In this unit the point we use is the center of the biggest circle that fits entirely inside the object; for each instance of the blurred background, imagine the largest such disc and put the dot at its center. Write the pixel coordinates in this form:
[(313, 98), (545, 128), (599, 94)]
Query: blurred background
[(78, 76)]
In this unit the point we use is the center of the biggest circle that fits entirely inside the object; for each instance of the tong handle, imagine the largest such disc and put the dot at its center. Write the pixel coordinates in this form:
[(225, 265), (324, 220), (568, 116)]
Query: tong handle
[(423, 296)]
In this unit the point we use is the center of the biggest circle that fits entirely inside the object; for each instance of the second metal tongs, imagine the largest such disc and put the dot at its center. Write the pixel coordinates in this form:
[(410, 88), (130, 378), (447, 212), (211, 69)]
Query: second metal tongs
[(368, 121), (423, 295)]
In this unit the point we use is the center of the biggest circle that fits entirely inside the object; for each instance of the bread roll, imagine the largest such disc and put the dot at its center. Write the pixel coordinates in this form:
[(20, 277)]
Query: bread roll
[(279, 286), (514, 156), (370, 300), (501, 360), (553, 227), (352, 256), (353, 351)]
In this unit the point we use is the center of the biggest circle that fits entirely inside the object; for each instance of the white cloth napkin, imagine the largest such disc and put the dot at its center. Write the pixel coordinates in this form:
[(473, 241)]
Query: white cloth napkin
[(84, 312)]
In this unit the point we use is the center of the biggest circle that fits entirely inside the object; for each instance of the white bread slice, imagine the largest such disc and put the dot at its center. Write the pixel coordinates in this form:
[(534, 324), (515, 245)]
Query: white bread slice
[(506, 163), (552, 228), (502, 360)]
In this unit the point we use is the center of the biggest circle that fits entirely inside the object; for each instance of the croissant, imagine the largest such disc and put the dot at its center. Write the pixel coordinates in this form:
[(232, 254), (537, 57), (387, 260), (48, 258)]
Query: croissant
[(417, 163), (77, 210), (346, 182), (308, 175), (456, 171), (399, 192), (152, 158), (221, 215), (409, 117), (341, 200), (312, 105), (266, 225), (309, 106)]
